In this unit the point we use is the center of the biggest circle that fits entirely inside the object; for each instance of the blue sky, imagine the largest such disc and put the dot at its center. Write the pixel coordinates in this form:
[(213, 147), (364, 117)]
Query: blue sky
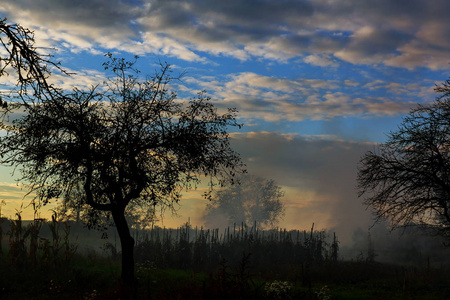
[(317, 83)]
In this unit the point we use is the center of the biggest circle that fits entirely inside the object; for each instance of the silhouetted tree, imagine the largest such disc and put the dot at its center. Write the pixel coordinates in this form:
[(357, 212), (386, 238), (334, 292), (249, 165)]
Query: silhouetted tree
[(407, 181), (128, 140), (253, 200)]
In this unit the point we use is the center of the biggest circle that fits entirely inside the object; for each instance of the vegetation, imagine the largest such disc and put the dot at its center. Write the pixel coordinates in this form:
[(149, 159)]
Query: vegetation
[(199, 249), (255, 201), (189, 263), (407, 179)]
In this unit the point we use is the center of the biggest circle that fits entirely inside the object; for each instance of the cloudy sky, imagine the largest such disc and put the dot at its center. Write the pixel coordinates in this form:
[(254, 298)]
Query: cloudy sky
[(317, 83)]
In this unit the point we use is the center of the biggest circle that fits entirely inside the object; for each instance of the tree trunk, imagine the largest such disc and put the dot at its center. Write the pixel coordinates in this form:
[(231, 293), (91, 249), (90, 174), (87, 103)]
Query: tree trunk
[(127, 244)]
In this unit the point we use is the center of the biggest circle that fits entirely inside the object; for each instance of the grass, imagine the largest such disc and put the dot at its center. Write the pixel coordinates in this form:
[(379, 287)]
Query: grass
[(96, 278), (74, 280), (279, 265)]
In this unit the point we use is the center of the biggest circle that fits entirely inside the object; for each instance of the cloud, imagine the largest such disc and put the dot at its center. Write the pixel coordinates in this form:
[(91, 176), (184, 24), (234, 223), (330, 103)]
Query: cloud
[(14, 199), (160, 45), (395, 33), (81, 79), (81, 24), (320, 60), (372, 45), (272, 98)]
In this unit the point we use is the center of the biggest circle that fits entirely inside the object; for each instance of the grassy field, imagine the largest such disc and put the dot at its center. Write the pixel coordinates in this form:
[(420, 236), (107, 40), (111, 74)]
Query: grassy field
[(39, 261), (95, 277)]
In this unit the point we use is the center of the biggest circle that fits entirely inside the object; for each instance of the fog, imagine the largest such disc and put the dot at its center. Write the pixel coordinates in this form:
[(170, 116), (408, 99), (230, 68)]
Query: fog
[(405, 246), (318, 175)]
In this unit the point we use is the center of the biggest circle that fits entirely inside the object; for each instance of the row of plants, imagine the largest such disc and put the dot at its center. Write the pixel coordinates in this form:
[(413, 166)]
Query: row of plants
[(38, 260), (204, 249), (27, 247), (185, 247)]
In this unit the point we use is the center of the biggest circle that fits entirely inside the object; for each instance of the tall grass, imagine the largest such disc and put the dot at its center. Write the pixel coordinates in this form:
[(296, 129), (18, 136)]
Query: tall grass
[(203, 249), (26, 247), (39, 261)]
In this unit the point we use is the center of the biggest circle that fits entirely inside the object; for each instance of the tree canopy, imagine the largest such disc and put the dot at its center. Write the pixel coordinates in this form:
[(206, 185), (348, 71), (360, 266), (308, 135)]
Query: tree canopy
[(407, 179), (254, 200)]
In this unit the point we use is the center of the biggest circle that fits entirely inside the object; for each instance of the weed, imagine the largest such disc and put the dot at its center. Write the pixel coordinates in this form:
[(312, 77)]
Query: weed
[(17, 236), (91, 295), (278, 290), (324, 293)]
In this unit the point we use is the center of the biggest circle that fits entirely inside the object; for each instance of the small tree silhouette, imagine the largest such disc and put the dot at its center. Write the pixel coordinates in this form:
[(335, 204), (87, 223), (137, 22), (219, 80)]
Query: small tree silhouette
[(255, 201)]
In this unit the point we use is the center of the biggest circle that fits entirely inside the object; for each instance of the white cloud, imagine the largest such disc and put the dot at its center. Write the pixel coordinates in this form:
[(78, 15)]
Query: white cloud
[(161, 45), (320, 60), (81, 79), (350, 83), (277, 99)]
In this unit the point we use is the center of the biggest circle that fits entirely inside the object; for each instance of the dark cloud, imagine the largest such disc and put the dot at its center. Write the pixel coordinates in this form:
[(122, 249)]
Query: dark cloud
[(398, 33), (246, 13), (95, 13), (378, 41), (295, 27)]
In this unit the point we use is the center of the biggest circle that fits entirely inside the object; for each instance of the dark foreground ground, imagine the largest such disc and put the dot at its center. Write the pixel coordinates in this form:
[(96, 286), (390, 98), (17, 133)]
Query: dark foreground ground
[(95, 277), (49, 260)]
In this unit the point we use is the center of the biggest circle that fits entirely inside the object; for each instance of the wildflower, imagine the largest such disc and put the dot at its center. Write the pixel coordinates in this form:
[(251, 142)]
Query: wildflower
[(278, 290), (324, 293)]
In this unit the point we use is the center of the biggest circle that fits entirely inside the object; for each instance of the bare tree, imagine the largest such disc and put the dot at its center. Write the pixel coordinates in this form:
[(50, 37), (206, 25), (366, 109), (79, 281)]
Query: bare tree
[(254, 200), (128, 141), (407, 181)]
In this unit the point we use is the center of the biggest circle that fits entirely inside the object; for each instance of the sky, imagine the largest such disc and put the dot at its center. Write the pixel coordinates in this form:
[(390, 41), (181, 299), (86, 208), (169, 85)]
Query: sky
[(317, 82)]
